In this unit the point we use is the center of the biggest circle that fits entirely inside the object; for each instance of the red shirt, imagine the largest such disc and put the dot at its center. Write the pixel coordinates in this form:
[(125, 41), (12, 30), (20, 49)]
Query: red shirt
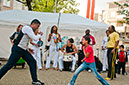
[(122, 56), (90, 59)]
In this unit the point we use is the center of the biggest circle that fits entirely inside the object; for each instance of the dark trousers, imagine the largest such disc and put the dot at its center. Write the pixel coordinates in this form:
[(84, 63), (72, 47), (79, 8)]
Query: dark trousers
[(16, 53), (80, 57), (121, 65), (111, 63)]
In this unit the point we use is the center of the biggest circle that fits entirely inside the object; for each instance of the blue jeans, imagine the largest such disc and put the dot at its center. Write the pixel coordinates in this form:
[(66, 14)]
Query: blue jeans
[(16, 53), (92, 66)]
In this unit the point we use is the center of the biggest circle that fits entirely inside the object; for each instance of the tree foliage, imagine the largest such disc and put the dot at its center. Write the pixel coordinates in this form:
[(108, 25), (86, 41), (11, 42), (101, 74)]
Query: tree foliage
[(124, 10), (64, 6)]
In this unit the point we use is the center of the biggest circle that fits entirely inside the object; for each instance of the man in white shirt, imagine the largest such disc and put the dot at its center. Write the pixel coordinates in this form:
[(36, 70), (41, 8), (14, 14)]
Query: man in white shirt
[(104, 48), (20, 48)]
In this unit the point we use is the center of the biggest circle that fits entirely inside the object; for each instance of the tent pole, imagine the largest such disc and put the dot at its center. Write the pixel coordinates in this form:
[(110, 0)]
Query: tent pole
[(43, 47)]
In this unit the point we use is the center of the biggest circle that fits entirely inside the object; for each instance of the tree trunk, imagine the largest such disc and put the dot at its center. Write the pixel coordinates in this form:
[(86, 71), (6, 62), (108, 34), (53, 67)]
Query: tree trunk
[(29, 4)]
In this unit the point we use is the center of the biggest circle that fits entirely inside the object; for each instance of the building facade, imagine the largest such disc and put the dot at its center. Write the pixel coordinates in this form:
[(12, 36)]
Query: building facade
[(11, 5), (111, 17)]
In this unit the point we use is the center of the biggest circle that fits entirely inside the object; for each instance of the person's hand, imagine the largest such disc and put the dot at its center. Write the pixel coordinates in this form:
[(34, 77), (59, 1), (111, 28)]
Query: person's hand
[(12, 43), (126, 63), (41, 33), (102, 48), (82, 60), (69, 53), (50, 34), (113, 51), (31, 51), (65, 52), (36, 45)]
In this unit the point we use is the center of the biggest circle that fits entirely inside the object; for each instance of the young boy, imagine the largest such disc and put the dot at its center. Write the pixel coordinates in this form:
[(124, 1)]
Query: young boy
[(122, 58), (88, 62)]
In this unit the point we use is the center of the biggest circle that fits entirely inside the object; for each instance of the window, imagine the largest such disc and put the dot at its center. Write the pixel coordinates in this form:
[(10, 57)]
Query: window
[(119, 24), (112, 14), (6, 3)]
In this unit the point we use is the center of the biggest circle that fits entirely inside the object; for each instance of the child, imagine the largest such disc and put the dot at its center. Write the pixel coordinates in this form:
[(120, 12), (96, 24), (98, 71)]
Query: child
[(36, 49), (122, 58), (88, 62)]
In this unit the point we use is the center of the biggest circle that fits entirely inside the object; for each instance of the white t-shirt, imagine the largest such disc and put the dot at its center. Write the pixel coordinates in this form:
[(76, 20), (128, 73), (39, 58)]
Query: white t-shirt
[(26, 34)]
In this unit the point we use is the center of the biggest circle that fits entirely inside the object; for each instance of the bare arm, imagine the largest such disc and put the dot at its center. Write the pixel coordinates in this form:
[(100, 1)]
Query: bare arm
[(49, 37), (86, 54), (116, 44), (59, 38), (62, 49), (11, 41), (33, 43)]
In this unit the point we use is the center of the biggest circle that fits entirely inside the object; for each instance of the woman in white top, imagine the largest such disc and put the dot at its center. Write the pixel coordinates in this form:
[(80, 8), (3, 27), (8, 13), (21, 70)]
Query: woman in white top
[(36, 49), (54, 39)]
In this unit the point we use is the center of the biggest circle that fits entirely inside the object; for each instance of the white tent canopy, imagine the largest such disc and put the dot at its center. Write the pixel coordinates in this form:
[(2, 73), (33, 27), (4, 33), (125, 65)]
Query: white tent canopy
[(70, 24), (67, 20)]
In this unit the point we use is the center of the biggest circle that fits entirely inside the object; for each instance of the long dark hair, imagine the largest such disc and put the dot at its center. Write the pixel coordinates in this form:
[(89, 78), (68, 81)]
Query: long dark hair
[(53, 28), (18, 28), (113, 27)]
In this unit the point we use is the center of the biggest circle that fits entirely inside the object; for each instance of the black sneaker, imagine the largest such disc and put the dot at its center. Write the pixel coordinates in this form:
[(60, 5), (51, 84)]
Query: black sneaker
[(38, 83)]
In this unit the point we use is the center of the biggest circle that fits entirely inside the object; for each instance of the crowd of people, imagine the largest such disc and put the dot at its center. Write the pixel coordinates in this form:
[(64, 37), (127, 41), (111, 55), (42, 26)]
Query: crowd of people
[(30, 34)]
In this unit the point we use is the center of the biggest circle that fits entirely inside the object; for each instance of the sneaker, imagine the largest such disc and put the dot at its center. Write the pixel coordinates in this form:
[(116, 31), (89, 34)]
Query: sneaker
[(69, 84), (0, 63), (89, 71), (61, 70), (107, 78), (72, 70), (38, 83)]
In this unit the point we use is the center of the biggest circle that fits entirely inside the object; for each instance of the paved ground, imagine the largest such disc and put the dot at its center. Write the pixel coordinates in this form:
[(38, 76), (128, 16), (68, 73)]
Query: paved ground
[(22, 77)]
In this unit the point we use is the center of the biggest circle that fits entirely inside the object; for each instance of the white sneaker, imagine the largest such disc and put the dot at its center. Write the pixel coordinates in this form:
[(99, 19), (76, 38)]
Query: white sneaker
[(61, 70), (69, 84), (38, 83), (89, 71)]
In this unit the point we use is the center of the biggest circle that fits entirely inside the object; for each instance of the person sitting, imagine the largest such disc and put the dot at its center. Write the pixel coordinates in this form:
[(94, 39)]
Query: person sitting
[(70, 50)]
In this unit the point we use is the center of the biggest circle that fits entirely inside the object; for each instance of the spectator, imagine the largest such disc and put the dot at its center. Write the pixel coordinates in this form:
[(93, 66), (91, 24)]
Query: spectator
[(112, 46), (123, 59), (54, 38), (104, 48)]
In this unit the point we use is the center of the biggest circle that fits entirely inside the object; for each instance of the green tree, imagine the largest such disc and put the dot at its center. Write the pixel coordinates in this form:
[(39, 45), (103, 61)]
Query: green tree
[(123, 10), (64, 6)]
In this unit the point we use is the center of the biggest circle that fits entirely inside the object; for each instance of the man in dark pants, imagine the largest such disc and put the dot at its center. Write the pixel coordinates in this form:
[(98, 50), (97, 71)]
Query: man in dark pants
[(112, 46), (20, 48)]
